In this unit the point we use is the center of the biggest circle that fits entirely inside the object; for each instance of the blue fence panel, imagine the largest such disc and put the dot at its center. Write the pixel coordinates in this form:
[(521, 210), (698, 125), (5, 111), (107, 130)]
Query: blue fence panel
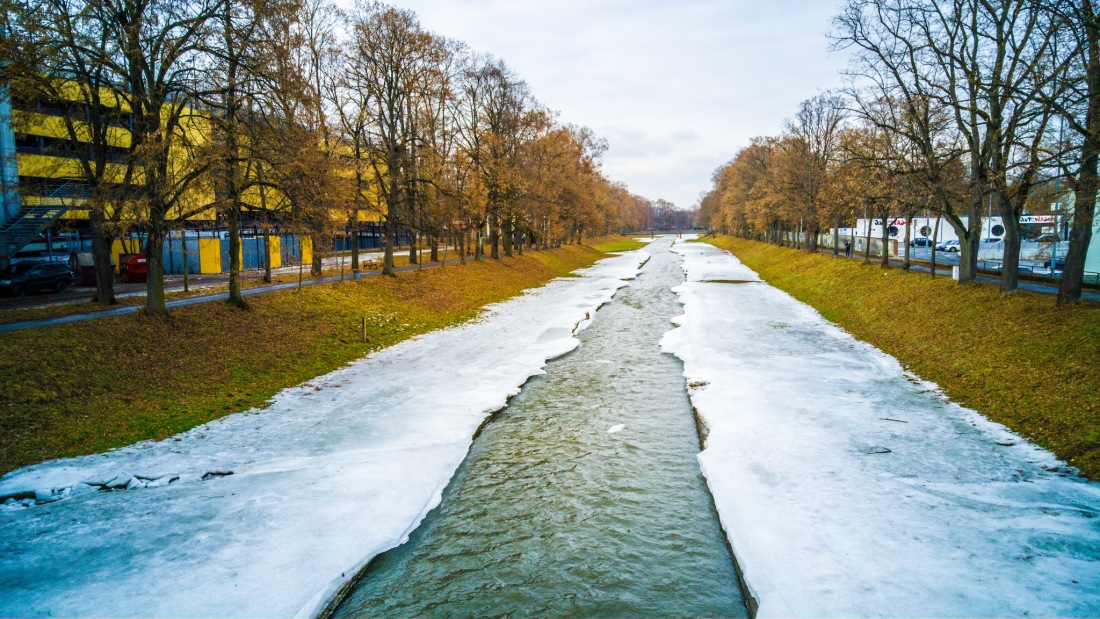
[(174, 258), (370, 241), (252, 249), (290, 249)]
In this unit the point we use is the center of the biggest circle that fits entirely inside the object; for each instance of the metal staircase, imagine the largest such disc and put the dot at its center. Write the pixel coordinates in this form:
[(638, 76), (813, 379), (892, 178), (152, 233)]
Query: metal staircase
[(32, 220)]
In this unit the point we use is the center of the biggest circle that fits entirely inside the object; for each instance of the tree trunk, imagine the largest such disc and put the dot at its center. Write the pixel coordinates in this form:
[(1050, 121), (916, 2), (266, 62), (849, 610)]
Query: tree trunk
[(1080, 234), (968, 240), (885, 263), (267, 231), (1010, 261), (414, 241), (507, 227), (387, 253), (101, 253), (494, 235), (233, 222), (154, 284), (267, 253), (1084, 212), (317, 241), (908, 234), (353, 220), (186, 273), (434, 243), (968, 259), (867, 248), (836, 239), (354, 224), (935, 241)]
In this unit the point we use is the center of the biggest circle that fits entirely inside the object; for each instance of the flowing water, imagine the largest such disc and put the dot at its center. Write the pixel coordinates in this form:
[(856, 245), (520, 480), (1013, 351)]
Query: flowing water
[(582, 498)]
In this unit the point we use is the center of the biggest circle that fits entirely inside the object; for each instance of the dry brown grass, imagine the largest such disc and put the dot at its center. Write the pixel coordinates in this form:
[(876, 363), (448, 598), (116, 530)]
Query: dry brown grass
[(87, 387)]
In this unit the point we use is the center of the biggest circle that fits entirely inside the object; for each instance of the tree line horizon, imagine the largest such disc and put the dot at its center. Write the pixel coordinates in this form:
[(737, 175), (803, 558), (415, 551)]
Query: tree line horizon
[(308, 115), (951, 107)]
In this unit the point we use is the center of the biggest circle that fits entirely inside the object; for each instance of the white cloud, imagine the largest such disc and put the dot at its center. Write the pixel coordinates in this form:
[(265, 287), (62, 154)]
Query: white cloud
[(676, 88)]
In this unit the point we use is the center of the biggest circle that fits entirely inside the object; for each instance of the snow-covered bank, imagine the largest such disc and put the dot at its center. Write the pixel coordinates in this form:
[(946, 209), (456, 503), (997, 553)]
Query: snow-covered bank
[(266, 514), (849, 488)]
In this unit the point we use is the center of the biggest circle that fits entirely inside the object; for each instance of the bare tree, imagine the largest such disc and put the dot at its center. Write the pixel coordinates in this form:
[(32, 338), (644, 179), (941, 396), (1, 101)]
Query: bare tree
[(1077, 103), (53, 59), (157, 62), (985, 63), (807, 157), (392, 60), (237, 57)]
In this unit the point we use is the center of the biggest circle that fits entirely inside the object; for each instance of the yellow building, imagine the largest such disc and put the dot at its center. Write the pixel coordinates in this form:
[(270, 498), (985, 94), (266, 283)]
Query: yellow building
[(44, 190)]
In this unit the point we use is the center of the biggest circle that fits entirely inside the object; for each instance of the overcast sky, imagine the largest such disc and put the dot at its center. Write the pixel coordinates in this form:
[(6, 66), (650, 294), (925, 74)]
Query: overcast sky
[(675, 87)]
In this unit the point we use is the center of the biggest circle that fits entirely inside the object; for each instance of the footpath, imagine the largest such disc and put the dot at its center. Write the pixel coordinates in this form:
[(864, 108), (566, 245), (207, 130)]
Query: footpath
[(848, 487), (204, 298), (944, 270)]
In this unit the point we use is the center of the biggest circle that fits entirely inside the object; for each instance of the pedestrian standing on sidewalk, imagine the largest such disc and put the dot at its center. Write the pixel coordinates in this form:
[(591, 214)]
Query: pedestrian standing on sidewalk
[(847, 249)]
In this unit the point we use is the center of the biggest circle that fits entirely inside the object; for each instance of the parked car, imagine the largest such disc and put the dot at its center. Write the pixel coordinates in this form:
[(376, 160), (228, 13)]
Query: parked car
[(24, 277), (1059, 264), (921, 242), (948, 246)]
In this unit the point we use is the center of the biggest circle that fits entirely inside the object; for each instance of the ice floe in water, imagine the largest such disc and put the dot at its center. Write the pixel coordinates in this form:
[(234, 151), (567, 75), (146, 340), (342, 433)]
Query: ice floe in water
[(849, 488), (267, 513)]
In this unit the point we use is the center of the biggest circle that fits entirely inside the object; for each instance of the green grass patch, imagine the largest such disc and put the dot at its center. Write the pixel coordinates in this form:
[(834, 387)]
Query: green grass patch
[(616, 243), (87, 387), (1018, 359)]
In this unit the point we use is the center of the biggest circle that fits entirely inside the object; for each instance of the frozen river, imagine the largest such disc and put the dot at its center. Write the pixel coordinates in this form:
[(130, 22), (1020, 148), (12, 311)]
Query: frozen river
[(582, 498), (844, 485), (850, 488)]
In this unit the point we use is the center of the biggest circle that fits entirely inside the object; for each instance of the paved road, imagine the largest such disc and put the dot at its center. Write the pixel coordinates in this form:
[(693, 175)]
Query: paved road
[(172, 283), (947, 259)]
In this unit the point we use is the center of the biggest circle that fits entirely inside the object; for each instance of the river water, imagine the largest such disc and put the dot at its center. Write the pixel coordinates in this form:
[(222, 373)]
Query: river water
[(582, 498)]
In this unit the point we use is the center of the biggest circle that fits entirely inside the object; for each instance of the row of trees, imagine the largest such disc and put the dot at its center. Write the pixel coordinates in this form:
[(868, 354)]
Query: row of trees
[(313, 116), (953, 106)]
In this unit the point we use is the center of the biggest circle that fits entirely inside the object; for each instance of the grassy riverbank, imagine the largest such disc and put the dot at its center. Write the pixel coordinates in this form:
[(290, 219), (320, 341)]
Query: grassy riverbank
[(87, 387), (620, 244), (1019, 360)]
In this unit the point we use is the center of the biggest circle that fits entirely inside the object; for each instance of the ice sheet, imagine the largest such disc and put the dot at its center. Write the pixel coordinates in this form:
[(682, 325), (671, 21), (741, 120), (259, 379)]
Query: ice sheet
[(334, 472), (850, 488)]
